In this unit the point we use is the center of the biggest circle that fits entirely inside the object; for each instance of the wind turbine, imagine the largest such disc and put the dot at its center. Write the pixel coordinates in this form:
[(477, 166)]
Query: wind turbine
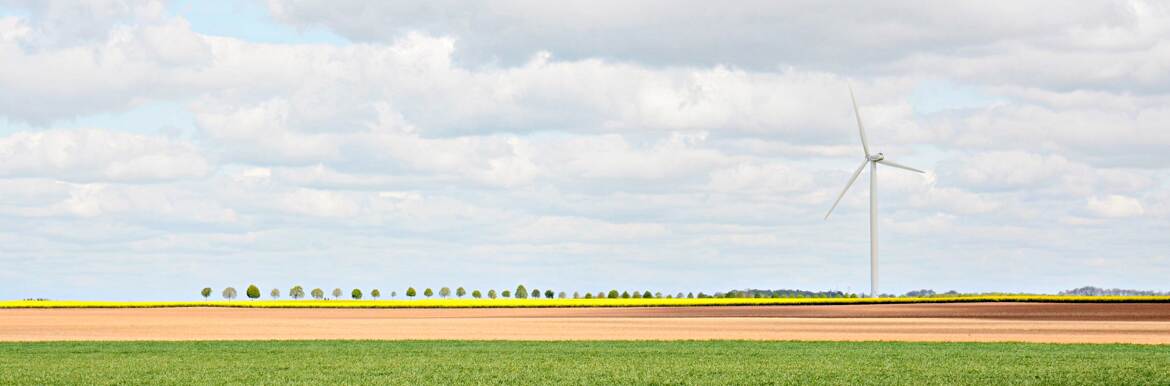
[(872, 160)]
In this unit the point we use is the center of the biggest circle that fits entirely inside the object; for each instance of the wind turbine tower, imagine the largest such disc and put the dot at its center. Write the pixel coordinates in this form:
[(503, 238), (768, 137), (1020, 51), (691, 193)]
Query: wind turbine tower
[(872, 160)]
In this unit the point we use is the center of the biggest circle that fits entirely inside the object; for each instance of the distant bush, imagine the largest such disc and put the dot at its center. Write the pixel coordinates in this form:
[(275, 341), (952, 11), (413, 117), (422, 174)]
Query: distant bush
[(253, 292), (356, 294)]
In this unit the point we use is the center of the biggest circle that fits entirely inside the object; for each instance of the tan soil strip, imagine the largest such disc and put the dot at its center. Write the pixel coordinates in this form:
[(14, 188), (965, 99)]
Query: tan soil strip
[(871, 323)]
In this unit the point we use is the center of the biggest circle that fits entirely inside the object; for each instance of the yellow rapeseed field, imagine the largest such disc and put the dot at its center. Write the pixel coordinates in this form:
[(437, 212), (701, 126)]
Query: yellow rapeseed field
[(505, 303)]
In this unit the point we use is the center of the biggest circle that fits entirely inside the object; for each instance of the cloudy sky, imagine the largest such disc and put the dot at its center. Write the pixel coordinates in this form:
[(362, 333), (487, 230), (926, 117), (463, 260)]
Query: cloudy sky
[(151, 148)]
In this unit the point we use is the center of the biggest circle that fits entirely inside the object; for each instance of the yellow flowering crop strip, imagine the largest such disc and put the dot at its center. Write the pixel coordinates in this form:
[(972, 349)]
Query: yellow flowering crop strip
[(522, 303)]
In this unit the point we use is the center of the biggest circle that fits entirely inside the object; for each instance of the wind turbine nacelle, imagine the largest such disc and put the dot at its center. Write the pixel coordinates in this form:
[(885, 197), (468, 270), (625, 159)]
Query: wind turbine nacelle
[(877, 157)]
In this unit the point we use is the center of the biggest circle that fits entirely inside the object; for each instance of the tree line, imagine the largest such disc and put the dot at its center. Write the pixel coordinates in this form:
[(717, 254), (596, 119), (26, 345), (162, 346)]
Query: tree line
[(521, 292)]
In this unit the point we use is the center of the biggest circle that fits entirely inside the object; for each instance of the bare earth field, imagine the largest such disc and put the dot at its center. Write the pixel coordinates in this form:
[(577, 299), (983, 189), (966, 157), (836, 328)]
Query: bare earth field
[(968, 322)]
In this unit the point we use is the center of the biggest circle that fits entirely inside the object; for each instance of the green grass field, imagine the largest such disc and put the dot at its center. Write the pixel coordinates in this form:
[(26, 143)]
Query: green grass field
[(482, 362)]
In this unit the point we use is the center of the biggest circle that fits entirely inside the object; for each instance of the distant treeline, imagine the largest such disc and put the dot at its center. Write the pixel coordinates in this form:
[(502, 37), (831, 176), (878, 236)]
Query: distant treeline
[(1094, 291), (298, 292)]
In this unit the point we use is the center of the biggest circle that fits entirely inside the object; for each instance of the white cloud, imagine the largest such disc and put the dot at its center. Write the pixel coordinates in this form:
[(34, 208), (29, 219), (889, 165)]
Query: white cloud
[(99, 155), (1115, 206), (585, 143)]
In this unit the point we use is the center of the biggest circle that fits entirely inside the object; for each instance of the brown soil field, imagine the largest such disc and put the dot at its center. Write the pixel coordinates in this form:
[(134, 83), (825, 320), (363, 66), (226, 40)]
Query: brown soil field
[(1021, 322)]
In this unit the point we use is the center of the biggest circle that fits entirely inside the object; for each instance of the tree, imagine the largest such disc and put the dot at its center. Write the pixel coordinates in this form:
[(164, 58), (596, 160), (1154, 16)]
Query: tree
[(393, 294), (535, 293), (375, 294), (576, 295), (476, 294), (410, 292), (562, 295), (317, 293), (429, 293), (444, 292), (491, 294), (658, 295), (647, 295), (548, 294), (296, 292), (337, 293), (690, 295), (613, 294), (636, 295), (521, 292), (253, 292), (356, 294), (460, 292), (275, 294), (506, 294), (600, 295), (205, 292), (229, 293), (589, 295), (625, 294)]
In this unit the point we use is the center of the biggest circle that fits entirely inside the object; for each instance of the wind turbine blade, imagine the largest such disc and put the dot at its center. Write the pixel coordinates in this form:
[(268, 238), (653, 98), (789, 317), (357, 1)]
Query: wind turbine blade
[(899, 166), (847, 186), (860, 128)]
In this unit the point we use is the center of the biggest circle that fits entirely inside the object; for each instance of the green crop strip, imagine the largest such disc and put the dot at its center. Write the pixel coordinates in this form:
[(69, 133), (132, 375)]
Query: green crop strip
[(619, 363)]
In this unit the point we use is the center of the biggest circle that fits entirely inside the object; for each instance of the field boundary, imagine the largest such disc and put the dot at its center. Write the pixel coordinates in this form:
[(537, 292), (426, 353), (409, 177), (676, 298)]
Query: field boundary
[(572, 303)]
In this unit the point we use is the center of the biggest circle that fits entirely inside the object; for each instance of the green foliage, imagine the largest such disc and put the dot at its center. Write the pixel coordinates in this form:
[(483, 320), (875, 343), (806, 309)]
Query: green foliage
[(356, 294), (444, 292), (375, 293), (318, 294), (205, 292), (625, 294), (581, 362), (636, 295), (476, 294), (460, 292), (548, 294), (647, 295), (428, 293), (589, 295), (253, 292), (613, 294), (275, 293), (229, 293), (491, 294), (410, 292), (337, 293), (535, 293), (506, 293), (296, 292), (521, 292)]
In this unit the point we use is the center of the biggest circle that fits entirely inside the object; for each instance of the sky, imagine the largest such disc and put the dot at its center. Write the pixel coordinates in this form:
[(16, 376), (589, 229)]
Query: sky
[(151, 148)]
